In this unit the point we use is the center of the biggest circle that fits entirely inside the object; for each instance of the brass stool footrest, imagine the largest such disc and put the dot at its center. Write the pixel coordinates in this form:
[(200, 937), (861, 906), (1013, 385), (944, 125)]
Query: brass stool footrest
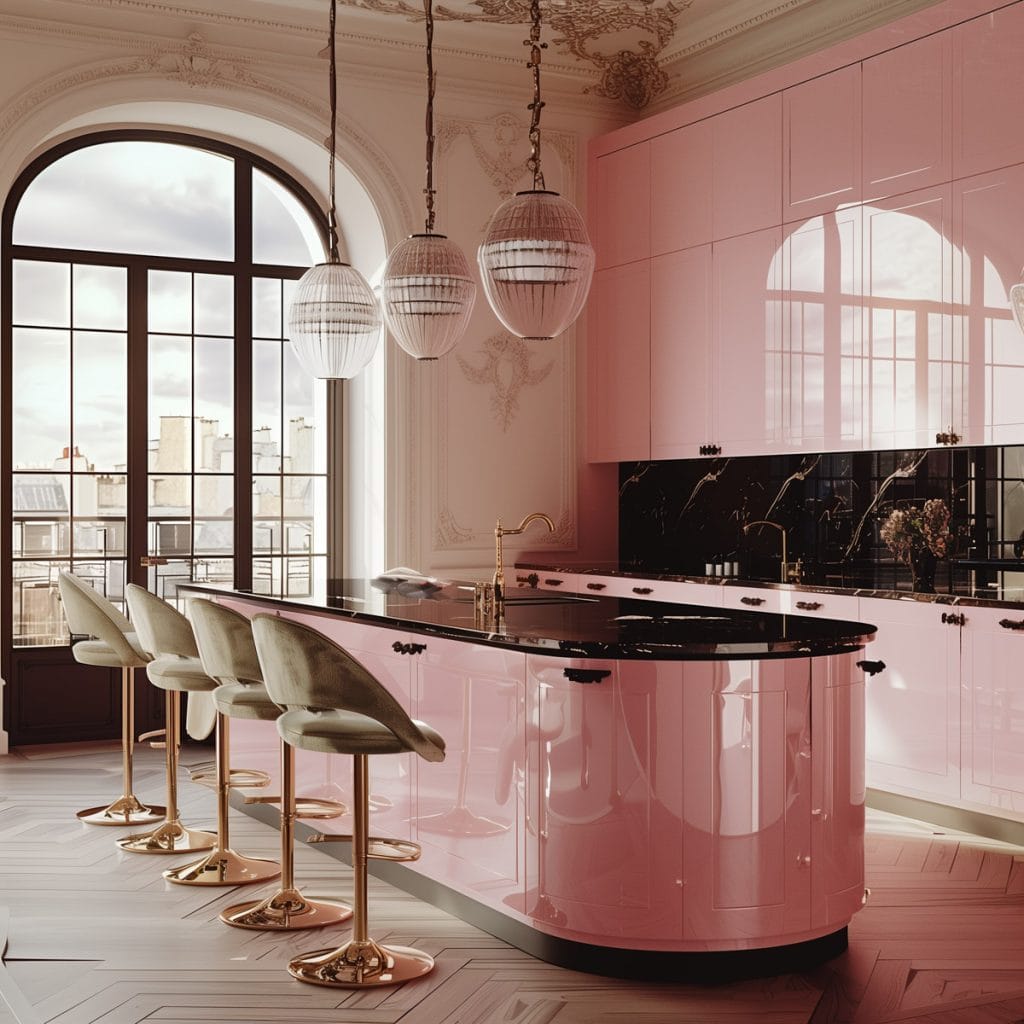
[(378, 848), (156, 744), (205, 774), (315, 807)]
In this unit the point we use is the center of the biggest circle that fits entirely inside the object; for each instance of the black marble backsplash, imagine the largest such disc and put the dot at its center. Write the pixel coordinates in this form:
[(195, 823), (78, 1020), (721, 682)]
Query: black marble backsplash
[(678, 516)]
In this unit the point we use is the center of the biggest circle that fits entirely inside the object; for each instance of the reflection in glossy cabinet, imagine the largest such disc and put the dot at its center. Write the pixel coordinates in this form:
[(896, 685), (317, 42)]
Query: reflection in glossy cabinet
[(681, 188), (622, 220), (907, 119)]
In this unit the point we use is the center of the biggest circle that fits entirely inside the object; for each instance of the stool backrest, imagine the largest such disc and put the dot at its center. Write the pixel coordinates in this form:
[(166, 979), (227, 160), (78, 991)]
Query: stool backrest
[(224, 638), (89, 613), (302, 668), (162, 628)]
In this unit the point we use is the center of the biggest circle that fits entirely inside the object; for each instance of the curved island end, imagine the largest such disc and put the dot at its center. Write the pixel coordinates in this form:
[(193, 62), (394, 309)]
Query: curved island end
[(637, 789)]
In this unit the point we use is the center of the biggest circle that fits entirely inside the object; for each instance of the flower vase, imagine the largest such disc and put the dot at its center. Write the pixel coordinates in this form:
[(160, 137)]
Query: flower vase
[(922, 571)]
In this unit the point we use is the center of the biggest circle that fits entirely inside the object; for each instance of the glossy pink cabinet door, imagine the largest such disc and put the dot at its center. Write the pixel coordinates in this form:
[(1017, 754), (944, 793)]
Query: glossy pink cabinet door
[(621, 219), (907, 117), (913, 704), (748, 167), (681, 354), (988, 81), (618, 364), (988, 211), (747, 309), (822, 144), (681, 188)]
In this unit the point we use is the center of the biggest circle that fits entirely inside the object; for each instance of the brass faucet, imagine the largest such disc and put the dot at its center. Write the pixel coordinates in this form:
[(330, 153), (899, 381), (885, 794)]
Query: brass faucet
[(499, 568), (786, 572)]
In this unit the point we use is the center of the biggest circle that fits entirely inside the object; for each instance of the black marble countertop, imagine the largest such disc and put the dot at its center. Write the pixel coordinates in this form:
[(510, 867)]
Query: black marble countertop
[(540, 622), (992, 598)]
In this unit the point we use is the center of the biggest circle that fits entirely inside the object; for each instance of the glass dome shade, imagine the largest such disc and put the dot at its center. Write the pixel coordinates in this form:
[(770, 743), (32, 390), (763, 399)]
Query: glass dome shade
[(427, 295), (334, 321), (536, 262), (1017, 304)]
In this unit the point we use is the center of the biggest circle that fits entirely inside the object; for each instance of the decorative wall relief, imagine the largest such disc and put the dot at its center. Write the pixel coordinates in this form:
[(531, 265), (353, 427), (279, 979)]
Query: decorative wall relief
[(505, 371)]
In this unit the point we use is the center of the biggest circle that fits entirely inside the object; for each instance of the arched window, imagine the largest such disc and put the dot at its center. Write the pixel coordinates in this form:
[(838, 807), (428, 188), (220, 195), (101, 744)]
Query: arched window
[(146, 282)]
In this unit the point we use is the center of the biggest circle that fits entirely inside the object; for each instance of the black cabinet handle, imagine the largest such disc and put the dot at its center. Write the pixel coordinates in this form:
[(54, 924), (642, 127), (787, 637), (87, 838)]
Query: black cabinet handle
[(710, 449), (586, 675), (641, 590), (596, 586), (553, 583), (808, 606), (1012, 623), (532, 580), (751, 600), (871, 667), (952, 619), (399, 648)]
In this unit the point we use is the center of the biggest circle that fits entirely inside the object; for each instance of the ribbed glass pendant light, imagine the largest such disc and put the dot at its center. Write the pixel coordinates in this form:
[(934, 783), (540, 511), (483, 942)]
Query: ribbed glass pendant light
[(536, 260), (1017, 302), (428, 293), (334, 320)]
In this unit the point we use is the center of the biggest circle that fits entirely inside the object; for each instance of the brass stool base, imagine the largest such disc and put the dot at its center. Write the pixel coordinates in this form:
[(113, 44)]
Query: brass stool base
[(286, 910), (361, 965), (170, 837), (224, 867), (124, 811)]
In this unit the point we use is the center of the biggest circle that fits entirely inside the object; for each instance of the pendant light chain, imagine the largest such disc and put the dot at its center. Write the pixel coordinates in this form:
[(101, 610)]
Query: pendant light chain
[(430, 191), (533, 164), (332, 213)]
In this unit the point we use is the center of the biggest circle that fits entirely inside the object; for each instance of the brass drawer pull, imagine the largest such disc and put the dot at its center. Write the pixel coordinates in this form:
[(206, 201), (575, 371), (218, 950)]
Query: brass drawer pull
[(808, 606), (752, 600)]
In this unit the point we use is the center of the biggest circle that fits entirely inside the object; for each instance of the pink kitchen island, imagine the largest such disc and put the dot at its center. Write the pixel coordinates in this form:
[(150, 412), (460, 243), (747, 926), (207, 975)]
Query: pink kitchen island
[(630, 788)]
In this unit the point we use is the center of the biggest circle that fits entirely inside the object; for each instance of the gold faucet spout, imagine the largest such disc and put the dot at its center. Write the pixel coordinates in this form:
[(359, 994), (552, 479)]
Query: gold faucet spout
[(784, 569), (499, 568)]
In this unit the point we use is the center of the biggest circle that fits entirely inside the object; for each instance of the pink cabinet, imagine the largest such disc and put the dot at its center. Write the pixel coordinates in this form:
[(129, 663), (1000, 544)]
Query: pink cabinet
[(681, 354), (907, 117), (618, 364), (620, 217), (993, 710), (681, 188), (913, 703), (988, 81), (747, 329), (822, 144), (988, 222)]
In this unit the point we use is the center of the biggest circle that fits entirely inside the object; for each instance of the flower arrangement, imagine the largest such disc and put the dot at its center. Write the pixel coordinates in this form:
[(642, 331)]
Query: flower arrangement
[(909, 532)]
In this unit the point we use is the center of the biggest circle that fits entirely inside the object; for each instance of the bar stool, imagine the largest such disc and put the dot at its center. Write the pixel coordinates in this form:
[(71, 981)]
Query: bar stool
[(226, 646), (167, 635), (335, 706), (116, 646)]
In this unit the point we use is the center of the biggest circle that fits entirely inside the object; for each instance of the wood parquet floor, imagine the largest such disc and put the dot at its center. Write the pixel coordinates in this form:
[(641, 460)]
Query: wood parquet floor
[(95, 936)]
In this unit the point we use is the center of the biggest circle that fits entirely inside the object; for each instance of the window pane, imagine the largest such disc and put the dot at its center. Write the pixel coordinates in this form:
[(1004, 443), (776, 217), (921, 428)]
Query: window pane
[(214, 304), (170, 404), (100, 414), (266, 308), (305, 407), (144, 197), (41, 431), (38, 617), (282, 231), (170, 302), (100, 298), (214, 388), (41, 293), (214, 497), (106, 577), (266, 406), (41, 514)]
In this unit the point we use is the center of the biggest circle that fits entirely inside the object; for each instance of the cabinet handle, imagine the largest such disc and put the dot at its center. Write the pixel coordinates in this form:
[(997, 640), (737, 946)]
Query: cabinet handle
[(710, 449), (871, 667), (751, 600), (553, 583), (399, 648), (586, 675), (641, 590), (1012, 623), (808, 606), (596, 586), (532, 580), (952, 619)]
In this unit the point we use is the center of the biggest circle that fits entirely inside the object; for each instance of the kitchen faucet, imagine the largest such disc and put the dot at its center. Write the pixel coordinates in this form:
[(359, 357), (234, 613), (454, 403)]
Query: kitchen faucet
[(785, 572), (499, 568)]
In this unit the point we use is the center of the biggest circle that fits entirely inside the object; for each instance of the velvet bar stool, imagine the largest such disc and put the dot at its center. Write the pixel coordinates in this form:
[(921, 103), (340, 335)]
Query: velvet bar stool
[(333, 705), (115, 646), (167, 635), (226, 646)]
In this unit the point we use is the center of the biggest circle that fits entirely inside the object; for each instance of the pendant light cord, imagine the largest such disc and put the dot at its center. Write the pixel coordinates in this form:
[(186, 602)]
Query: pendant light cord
[(533, 164), (332, 213), (430, 191)]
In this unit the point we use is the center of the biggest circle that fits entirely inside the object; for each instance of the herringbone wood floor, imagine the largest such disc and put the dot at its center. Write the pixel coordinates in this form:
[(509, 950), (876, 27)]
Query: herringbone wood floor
[(95, 936)]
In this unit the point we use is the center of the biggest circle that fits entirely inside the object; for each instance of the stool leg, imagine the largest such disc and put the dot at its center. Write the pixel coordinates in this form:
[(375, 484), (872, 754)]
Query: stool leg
[(127, 809), (222, 866), (287, 909), (170, 836), (360, 962)]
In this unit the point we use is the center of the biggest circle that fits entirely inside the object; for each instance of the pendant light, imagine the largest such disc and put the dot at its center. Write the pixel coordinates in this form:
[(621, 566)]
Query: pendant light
[(427, 293), (536, 260), (334, 320), (1017, 302)]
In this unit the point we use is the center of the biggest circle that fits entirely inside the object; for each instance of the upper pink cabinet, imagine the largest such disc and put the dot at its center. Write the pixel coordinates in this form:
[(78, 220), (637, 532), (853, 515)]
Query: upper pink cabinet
[(907, 118), (988, 82), (822, 144), (620, 209), (681, 176)]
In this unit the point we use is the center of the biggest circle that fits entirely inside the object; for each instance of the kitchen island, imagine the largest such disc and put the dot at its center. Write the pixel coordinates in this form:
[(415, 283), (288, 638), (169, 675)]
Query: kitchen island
[(631, 787)]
